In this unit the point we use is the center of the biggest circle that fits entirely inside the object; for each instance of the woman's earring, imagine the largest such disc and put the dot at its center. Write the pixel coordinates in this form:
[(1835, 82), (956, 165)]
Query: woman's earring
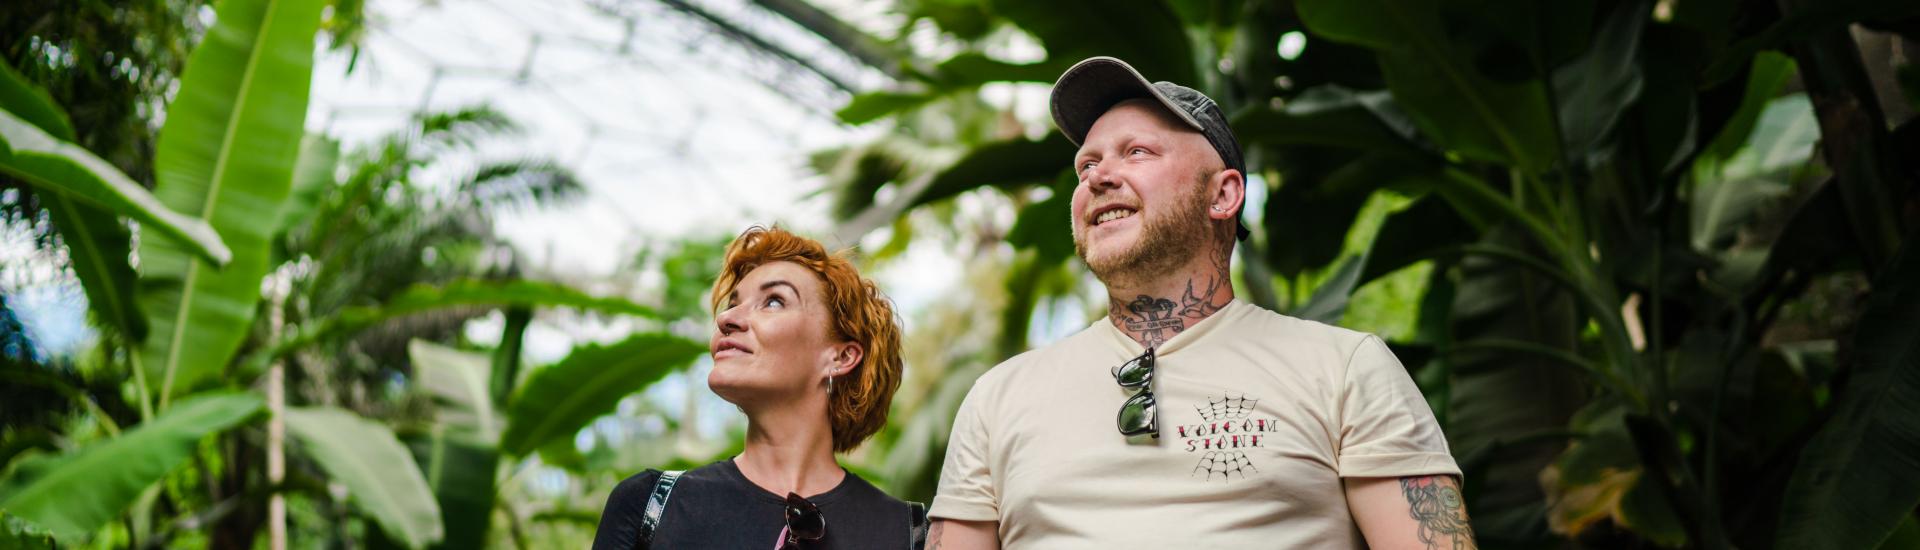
[(829, 384)]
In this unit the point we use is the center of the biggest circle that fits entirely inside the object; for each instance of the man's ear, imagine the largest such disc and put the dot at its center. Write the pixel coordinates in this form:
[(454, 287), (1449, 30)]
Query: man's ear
[(1230, 191)]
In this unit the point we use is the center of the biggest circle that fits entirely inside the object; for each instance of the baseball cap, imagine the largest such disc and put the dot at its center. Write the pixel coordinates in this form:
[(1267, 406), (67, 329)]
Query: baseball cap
[(1090, 87)]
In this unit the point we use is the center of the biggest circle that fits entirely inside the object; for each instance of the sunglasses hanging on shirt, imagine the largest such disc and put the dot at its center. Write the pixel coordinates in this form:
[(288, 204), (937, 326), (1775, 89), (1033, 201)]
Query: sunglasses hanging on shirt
[(1137, 416), (805, 524)]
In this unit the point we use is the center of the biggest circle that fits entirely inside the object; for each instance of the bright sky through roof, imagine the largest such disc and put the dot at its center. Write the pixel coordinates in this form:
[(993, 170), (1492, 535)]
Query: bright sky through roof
[(674, 129)]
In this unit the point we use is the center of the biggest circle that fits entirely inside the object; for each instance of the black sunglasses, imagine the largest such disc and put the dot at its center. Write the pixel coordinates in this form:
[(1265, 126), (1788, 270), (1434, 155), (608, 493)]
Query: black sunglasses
[(1137, 414), (804, 523)]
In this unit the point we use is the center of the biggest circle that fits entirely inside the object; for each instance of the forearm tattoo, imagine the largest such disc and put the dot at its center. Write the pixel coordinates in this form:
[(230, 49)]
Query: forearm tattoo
[(933, 535), (1435, 504), (1152, 320)]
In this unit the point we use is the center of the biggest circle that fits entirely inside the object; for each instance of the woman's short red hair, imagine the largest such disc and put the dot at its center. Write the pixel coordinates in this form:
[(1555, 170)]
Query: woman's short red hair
[(857, 312)]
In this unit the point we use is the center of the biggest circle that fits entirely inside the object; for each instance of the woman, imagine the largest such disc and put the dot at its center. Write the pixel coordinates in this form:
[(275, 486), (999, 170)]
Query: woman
[(810, 351)]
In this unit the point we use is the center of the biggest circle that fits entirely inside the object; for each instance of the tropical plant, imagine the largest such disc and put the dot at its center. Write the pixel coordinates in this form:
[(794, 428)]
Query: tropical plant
[(365, 255), (231, 99), (108, 72)]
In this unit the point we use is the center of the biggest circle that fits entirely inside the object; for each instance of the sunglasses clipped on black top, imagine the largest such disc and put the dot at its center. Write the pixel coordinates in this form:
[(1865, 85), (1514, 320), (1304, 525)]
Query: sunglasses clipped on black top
[(1137, 416), (805, 524)]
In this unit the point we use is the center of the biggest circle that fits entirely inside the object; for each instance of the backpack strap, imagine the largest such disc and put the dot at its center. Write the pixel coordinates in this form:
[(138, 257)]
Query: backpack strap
[(657, 505), (917, 526)]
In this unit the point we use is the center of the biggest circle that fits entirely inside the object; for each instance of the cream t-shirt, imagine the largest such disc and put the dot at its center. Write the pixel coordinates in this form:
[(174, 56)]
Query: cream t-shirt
[(1261, 415)]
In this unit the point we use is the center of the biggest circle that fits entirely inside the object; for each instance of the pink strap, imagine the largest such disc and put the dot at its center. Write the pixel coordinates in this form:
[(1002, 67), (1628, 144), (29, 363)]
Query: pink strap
[(781, 542)]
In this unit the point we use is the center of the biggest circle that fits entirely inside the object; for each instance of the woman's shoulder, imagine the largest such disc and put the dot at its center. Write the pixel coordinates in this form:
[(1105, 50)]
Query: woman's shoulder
[(859, 489), (631, 494), (639, 487), (644, 479), (882, 517), (620, 520), (644, 482)]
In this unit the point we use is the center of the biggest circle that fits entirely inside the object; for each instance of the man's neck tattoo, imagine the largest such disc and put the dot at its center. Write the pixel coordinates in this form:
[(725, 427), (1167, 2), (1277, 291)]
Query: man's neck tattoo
[(1152, 320)]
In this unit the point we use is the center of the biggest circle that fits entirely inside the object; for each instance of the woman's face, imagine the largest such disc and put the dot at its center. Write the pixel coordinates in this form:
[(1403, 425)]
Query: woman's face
[(771, 339)]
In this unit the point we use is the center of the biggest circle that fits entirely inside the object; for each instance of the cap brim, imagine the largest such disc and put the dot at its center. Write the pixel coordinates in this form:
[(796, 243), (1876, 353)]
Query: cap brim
[(1090, 87)]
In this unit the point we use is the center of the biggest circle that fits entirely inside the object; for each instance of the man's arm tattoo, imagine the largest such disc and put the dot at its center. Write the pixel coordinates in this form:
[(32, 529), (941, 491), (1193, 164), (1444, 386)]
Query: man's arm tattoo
[(933, 535), (1435, 504)]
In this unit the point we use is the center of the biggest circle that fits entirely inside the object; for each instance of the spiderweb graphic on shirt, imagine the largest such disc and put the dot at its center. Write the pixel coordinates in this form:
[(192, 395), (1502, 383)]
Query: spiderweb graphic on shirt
[(1224, 465), (1227, 407)]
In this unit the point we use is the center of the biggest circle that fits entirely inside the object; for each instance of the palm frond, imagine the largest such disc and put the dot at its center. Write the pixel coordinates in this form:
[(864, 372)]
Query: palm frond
[(521, 184)]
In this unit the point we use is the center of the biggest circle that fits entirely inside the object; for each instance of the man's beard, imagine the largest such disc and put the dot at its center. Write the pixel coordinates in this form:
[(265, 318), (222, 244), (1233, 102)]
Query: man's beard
[(1167, 241)]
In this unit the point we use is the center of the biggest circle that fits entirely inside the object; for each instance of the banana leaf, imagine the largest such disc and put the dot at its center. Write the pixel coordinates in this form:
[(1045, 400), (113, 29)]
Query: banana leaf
[(1438, 83), (558, 400), (75, 494), (381, 478), (1854, 484), (226, 155), (60, 167)]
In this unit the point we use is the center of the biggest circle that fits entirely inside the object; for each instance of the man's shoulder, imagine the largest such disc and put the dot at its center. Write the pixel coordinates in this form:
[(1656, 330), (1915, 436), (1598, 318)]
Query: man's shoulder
[(1275, 324), (1289, 336)]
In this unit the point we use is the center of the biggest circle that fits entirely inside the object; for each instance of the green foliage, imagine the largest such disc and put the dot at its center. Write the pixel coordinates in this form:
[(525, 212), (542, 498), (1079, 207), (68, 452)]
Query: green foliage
[(1046, 225), (373, 227), (462, 474), (74, 494), (1009, 164), (459, 383), (94, 235), (226, 155), (507, 359), (1857, 470), (870, 106), (32, 104), (380, 475), (459, 454), (23, 535), (965, 19), (355, 243), (1332, 116), (312, 180), (424, 298), (1595, 90), (691, 267), (556, 401), (1329, 302), (59, 167), (1146, 33), (470, 292), (1434, 80), (108, 64)]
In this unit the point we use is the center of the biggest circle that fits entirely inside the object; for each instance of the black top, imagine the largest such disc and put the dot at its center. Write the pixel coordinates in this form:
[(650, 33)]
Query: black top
[(714, 506)]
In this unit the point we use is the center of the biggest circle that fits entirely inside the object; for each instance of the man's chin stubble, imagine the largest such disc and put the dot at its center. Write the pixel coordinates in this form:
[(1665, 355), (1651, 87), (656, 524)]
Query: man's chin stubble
[(1133, 265)]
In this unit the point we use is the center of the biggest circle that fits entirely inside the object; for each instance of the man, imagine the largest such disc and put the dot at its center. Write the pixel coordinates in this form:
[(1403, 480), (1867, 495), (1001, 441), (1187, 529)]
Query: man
[(1187, 418)]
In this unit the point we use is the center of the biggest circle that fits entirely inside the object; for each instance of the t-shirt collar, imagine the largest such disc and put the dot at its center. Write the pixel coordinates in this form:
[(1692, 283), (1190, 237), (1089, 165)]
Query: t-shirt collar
[(731, 471)]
